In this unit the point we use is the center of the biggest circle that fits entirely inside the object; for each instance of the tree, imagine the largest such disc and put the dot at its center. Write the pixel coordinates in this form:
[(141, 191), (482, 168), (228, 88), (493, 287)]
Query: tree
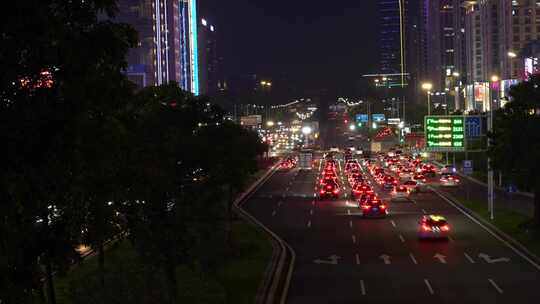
[(516, 138)]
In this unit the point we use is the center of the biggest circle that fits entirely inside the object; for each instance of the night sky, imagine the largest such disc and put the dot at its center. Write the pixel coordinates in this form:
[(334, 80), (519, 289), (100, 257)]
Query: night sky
[(310, 45)]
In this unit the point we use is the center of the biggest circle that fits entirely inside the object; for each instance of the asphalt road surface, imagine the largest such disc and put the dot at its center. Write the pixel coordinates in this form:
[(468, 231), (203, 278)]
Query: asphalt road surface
[(344, 258)]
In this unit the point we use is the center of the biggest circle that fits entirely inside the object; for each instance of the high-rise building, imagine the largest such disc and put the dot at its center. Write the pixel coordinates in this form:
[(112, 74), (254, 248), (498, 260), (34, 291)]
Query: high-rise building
[(168, 48), (444, 42), (208, 58), (392, 42)]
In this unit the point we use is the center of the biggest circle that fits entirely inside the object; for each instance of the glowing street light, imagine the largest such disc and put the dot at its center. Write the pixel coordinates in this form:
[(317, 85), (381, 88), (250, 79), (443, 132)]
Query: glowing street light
[(307, 130), (269, 123), (427, 86), (494, 78), (512, 54), (455, 74), (352, 127)]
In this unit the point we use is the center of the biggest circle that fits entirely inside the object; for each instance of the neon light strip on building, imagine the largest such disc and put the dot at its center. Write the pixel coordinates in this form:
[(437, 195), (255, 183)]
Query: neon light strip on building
[(183, 41), (193, 25)]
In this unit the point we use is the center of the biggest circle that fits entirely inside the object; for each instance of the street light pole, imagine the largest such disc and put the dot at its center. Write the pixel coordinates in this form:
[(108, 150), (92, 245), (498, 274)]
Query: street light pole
[(494, 79)]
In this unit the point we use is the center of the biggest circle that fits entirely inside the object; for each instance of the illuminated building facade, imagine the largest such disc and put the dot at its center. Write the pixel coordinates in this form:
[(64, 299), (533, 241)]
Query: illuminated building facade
[(392, 41), (168, 48)]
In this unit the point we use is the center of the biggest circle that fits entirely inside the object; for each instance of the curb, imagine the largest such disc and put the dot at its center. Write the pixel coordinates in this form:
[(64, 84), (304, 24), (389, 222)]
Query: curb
[(509, 241), (275, 285)]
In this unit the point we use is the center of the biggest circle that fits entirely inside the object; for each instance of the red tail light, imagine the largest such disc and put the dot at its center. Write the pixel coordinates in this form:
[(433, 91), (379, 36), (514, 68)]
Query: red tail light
[(445, 228), (336, 191), (365, 207), (426, 227), (322, 191)]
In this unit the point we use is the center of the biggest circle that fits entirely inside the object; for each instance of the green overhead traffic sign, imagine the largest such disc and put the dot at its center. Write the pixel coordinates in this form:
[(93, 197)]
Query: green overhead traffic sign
[(445, 133)]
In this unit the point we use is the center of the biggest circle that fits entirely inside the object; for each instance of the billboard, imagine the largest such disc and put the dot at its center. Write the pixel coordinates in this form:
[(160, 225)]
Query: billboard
[(251, 120), (445, 133), (378, 117), (363, 118)]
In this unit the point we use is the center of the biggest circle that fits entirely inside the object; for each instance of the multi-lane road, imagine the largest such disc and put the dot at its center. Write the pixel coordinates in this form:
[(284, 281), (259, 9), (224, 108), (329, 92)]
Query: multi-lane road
[(344, 258)]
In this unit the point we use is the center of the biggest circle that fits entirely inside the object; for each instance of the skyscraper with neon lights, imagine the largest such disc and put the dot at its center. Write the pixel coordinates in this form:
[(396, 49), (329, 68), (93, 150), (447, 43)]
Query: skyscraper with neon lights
[(168, 42), (392, 41)]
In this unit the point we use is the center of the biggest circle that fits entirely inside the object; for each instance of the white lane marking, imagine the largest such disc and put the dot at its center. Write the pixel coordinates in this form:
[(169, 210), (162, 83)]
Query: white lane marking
[(468, 257), (402, 238), (354, 239), (350, 224), (357, 259), (309, 224), (393, 223), (274, 213), (348, 211), (311, 212), (430, 289), (313, 203), (413, 259), (362, 287), (496, 286), (518, 252), (424, 211)]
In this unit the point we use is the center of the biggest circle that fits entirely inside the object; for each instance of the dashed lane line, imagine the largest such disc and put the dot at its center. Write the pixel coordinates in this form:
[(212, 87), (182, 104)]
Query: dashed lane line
[(424, 211), (354, 239), (311, 212), (362, 287), (350, 224), (274, 213), (357, 259), (430, 289), (402, 238), (393, 223), (413, 259), (499, 290), (309, 224), (468, 257)]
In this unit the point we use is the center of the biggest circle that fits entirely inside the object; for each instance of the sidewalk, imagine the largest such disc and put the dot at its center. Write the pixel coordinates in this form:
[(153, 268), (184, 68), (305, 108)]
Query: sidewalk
[(476, 191)]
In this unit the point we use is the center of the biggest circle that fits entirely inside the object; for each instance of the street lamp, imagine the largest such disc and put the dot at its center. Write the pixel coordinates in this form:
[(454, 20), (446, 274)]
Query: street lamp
[(494, 79), (269, 123), (307, 131), (426, 86), (352, 127), (512, 54)]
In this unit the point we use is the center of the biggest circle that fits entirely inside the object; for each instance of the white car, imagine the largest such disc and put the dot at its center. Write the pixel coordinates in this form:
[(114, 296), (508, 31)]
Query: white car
[(448, 169), (449, 180), (400, 193)]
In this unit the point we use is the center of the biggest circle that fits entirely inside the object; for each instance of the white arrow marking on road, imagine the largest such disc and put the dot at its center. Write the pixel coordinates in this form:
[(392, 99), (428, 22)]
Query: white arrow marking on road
[(496, 286), (440, 257), (362, 287), (354, 239), (357, 259), (430, 289), (309, 224), (402, 238), (332, 260), (393, 223), (386, 259), (489, 260), (469, 258), (413, 258)]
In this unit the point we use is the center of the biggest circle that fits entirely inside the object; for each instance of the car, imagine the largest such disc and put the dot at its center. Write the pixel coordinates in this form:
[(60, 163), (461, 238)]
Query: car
[(448, 169), (433, 227), (330, 189), (389, 182), (374, 208), (419, 178), (400, 193), (428, 170), (405, 174), (360, 189), (411, 186), (449, 180)]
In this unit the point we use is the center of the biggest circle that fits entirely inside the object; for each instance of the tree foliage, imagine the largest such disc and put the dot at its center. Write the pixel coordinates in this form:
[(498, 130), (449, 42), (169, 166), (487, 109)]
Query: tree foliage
[(516, 137)]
